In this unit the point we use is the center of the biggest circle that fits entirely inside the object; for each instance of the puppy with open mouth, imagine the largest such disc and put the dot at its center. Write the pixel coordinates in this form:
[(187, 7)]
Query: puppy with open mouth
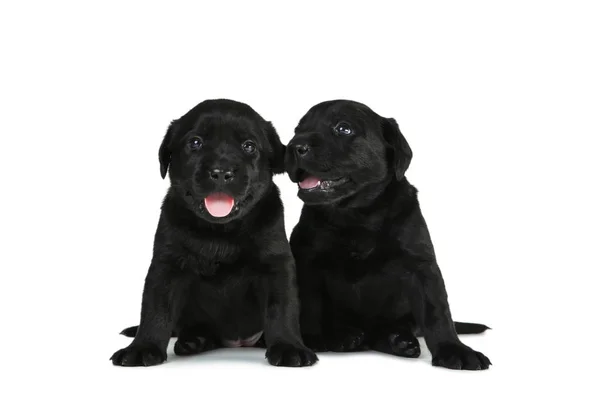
[(222, 272), (367, 270)]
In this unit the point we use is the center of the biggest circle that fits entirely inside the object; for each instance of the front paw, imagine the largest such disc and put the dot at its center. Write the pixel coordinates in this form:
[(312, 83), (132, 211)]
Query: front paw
[(346, 339), (139, 355), (315, 342), (288, 355), (460, 356)]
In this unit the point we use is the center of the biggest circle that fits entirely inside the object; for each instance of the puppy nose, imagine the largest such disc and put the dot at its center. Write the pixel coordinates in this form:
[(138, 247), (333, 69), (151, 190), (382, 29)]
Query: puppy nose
[(220, 175), (302, 149)]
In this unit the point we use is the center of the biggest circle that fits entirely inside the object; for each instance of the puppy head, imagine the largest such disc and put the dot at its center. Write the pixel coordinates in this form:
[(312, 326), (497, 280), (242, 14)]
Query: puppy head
[(341, 147), (221, 157)]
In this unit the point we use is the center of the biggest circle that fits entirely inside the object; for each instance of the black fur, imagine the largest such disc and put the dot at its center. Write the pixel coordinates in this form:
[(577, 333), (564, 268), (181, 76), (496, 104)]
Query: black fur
[(367, 271), (214, 280), (461, 328)]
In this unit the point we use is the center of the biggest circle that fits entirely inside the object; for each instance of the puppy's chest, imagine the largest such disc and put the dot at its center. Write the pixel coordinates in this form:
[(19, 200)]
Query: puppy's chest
[(356, 256), (352, 246), (208, 257)]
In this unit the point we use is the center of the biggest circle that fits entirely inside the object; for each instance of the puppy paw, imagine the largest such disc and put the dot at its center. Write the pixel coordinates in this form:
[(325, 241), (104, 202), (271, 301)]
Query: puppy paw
[(404, 345), (459, 356), (288, 355), (187, 346), (315, 343), (136, 355), (346, 339)]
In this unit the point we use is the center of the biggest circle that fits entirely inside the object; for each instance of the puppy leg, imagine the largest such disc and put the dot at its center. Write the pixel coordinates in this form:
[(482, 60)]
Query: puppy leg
[(310, 291), (282, 328), (429, 302), (161, 302), (311, 310), (336, 336)]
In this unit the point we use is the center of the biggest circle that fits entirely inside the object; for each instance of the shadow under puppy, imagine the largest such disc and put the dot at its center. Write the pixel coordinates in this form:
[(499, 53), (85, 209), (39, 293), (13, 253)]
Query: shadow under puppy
[(222, 272), (367, 271)]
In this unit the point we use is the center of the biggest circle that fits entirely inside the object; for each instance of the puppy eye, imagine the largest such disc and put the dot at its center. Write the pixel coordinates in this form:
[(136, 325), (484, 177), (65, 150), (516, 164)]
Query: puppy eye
[(343, 129), (249, 146), (196, 143)]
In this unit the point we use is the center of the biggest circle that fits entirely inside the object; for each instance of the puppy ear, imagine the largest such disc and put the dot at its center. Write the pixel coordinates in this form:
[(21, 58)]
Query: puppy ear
[(277, 152), (164, 152), (399, 145)]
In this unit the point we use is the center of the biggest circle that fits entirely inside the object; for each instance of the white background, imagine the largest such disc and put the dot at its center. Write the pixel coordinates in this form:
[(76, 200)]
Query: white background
[(499, 101)]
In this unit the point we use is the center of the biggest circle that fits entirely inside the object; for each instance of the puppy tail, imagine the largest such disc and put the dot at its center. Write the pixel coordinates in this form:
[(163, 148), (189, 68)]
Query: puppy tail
[(132, 331), (469, 328)]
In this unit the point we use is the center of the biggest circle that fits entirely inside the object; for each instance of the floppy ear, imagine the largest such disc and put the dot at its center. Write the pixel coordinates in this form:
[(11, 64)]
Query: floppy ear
[(277, 153), (164, 152), (399, 145)]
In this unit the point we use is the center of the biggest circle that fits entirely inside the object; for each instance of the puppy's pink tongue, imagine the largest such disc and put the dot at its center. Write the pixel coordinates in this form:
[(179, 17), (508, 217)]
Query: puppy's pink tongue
[(309, 183), (219, 204)]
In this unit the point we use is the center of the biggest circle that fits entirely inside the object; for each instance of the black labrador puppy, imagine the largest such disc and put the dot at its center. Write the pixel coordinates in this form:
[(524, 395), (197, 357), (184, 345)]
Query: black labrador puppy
[(222, 272), (367, 271)]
